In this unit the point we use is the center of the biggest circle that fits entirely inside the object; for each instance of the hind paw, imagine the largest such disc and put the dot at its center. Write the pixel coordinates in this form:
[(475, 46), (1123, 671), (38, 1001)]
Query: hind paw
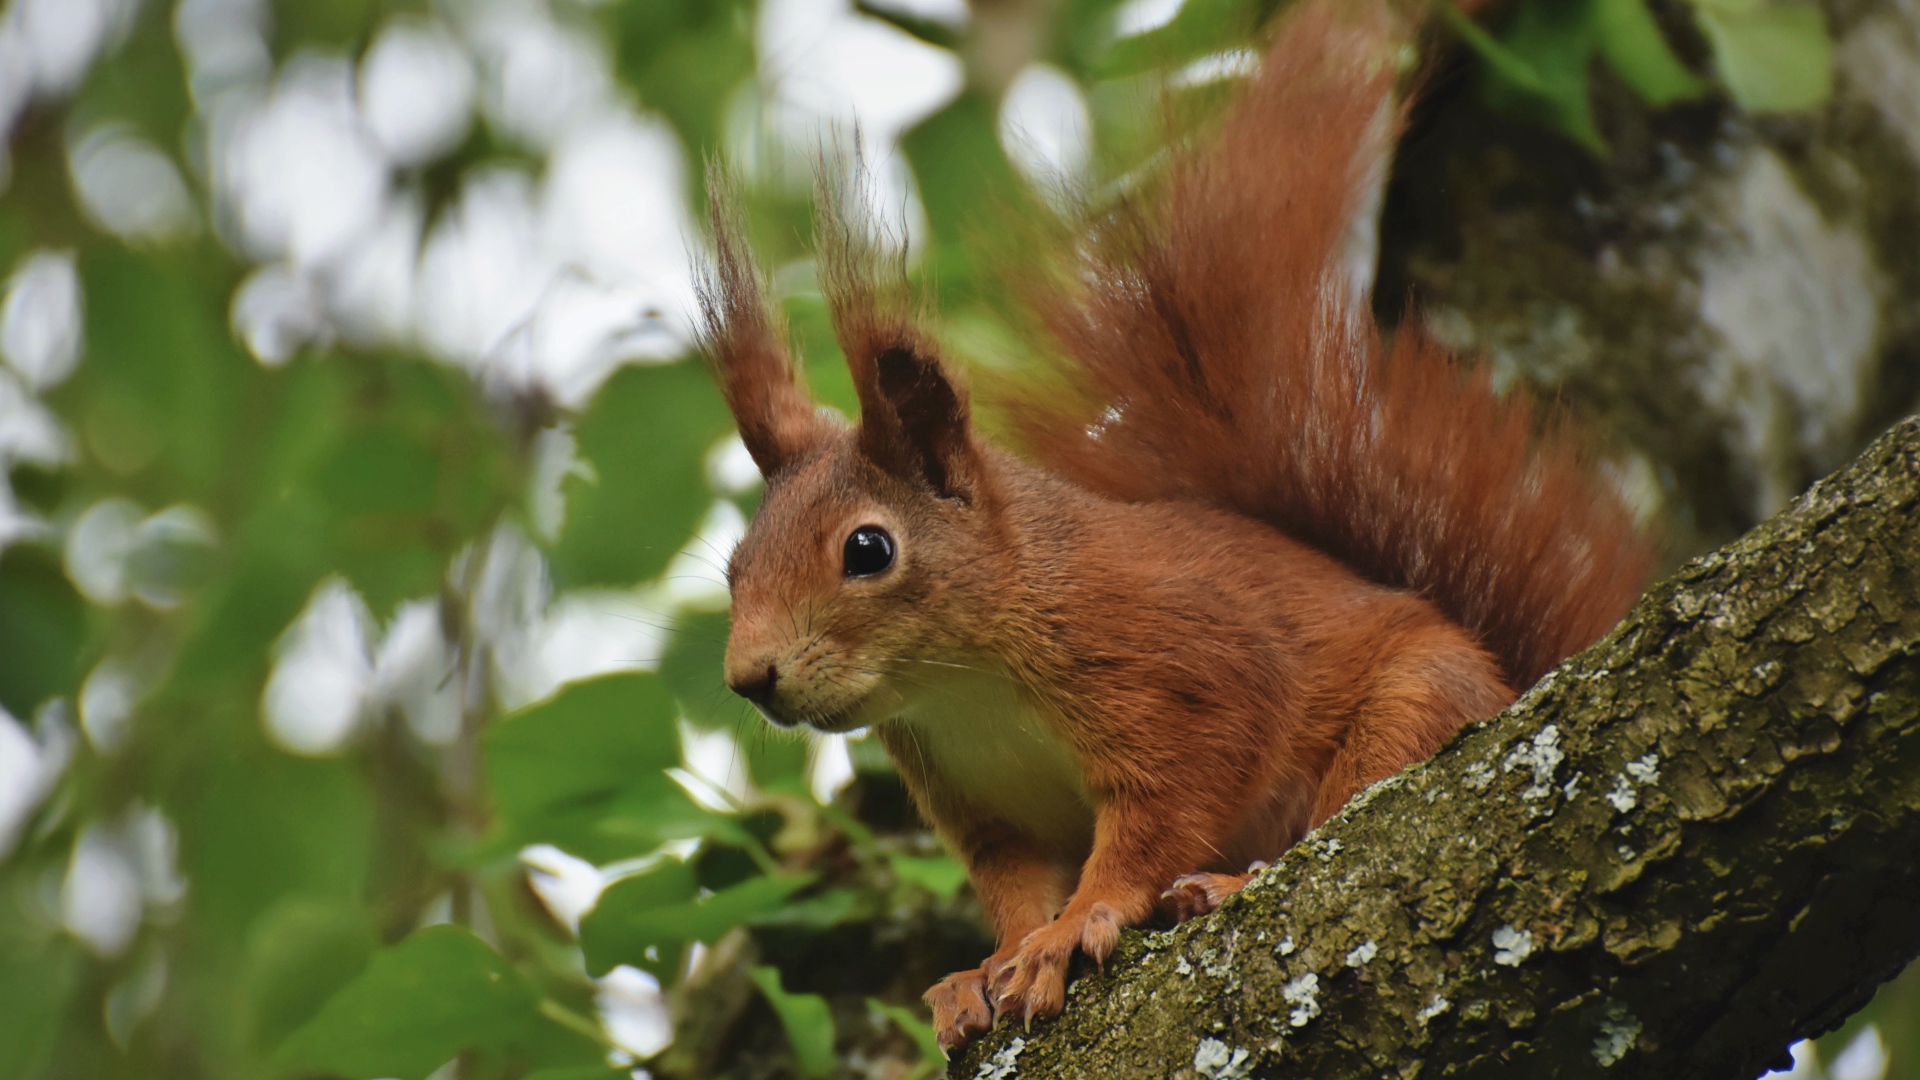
[(1199, 894)]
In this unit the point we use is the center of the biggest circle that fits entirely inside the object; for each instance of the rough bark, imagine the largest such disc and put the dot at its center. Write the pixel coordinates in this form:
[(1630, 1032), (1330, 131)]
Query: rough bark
[(1690, 845), (1736, 298)]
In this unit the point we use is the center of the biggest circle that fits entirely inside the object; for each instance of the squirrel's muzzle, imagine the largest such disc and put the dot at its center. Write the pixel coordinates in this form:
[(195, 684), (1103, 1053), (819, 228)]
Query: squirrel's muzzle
[(756, 684)]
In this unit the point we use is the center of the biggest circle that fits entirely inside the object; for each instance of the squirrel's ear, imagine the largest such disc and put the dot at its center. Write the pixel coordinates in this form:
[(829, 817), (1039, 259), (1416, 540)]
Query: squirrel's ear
[(745, 342), (914, 422)]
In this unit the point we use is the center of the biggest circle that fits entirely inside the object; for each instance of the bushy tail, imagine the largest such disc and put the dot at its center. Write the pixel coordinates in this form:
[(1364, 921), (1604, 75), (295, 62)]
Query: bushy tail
[(1220, 352)]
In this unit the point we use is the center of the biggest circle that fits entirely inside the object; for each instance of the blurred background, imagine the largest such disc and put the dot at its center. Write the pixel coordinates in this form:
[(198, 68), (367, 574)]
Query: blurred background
[(364, 508)]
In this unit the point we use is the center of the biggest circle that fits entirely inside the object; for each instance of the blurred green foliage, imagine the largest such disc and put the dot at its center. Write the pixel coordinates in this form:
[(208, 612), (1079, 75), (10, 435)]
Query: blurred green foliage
[(1770, 55), (363, 913)]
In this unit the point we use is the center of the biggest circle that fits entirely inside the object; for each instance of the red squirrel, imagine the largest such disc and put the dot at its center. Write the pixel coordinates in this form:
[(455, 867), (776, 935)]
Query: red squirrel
[(1256, 557)]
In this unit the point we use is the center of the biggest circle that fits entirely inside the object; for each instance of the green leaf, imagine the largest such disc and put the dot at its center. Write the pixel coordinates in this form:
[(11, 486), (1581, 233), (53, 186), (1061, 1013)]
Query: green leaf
[(1541, 70), (340, 23), (1200, 28), (938, 34), (1636, 51), (158, 399), (586, 770), (42, 630), (1084, 33), (408, 470), (641, 823), (1774, 57), (685, 58), (829, 382), (962, 171), (299, 953), (938, 874), (646, 435), (438, 993), (629, 919), (379, 471), (668, 884), (1502, 61), (692, 669), (592, 738), (38, 978), (918, 1030), (833, 907), (262, 824), (144, 85), (808, 1021)]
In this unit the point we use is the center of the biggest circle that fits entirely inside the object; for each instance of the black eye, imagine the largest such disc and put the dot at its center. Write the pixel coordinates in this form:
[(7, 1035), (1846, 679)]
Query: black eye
[(869, 551)]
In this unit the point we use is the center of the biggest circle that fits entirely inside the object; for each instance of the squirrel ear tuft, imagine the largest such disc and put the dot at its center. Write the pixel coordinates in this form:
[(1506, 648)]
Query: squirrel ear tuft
[(914, 421), (918, 426), (745, 342)]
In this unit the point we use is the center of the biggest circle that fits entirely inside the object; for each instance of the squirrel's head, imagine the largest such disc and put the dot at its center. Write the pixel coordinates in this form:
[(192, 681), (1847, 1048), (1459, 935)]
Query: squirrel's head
[(854, 578)]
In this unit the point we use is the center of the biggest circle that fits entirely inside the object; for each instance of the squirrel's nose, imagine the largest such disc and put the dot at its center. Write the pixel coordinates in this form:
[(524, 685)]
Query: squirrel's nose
[(756, 687)]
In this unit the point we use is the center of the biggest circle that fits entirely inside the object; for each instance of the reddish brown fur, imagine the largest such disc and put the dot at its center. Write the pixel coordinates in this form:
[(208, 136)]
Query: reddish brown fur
[(746, 344), (1244, 376), (1100, 679)]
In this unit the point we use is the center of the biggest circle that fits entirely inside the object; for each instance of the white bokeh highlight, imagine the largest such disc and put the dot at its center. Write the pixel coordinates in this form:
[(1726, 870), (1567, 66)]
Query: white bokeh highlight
[(100, 899), (1863, 1058), (107, 700), (130, 187), (99, 544), (40, 319), (369, 295), (277, 312), (160, 542), (417, 90), (16, 84), (825, 64), (63, 37), (31, 762), (322, 682), (829, 766), (304, 177), (567, 885), (715, 770), (122, 873), (104, 547), (1141, 16), (634, 1011), (1047, 130), (1218, 67), (481, 270), (696, 577), (29, 431), (16, 523), (731, 469), (592, 632), (224, 44), (416, 672), (539, 78)]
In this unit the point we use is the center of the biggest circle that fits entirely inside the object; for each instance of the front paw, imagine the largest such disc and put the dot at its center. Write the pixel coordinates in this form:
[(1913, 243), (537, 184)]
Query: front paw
[(1033, 982), (960, 1010)]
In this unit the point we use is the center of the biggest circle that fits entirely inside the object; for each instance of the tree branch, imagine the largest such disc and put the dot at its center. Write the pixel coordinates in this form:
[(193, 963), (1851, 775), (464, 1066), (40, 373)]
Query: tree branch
[(1690, 845)]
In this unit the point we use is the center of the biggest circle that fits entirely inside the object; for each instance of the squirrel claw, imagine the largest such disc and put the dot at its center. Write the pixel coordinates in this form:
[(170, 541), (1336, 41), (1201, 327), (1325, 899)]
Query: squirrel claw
[(1195, 895), (960, 1008), (1032, 982)]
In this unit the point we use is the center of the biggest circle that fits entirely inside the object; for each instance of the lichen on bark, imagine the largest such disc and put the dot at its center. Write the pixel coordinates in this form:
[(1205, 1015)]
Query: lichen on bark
[(1692, 844)]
